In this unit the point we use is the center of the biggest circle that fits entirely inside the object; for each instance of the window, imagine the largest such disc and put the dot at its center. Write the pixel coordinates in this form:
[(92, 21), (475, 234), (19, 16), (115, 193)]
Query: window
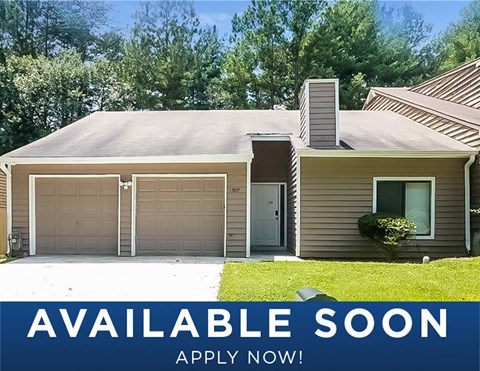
[(412, 198)]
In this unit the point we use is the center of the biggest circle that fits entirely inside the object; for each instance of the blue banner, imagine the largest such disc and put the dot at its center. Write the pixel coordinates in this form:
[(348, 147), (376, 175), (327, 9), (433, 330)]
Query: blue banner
[(239, 336)]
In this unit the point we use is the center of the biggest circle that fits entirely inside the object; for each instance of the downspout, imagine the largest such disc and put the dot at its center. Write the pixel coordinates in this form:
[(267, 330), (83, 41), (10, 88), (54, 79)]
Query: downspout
[(467, 203), (8, 173)]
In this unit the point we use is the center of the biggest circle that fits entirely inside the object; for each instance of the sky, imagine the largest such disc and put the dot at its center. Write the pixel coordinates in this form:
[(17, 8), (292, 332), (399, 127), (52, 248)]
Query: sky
[(220, 12)]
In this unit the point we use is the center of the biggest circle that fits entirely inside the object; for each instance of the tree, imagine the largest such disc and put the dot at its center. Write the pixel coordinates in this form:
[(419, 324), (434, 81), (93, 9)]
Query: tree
[(46, 28), (170, 61), (40, 95), (461, 42), (364, 45), (266, 53)]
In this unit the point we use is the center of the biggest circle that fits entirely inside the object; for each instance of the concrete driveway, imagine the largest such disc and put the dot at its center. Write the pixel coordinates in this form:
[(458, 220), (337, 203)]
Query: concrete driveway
[(87, 278)]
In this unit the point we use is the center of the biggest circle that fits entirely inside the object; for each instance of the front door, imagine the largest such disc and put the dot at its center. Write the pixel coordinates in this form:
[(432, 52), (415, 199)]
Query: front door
[(265, 215)]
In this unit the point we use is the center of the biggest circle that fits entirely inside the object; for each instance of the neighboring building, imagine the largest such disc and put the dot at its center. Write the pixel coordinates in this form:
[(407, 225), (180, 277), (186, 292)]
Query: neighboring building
[(449, 104), (225, 183), (3, 214)]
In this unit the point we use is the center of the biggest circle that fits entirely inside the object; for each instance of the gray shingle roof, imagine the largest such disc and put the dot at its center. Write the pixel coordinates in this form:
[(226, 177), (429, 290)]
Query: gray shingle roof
[(177, 133)]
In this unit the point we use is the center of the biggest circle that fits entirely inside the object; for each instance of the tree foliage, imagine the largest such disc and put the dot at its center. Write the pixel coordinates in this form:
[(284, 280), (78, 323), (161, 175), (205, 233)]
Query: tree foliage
[(388, 232), (61, 60), (461, 41)]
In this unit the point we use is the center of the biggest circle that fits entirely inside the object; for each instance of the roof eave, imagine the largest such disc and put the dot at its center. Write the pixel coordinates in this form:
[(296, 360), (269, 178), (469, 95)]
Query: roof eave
[(217, 158), (385, 154)]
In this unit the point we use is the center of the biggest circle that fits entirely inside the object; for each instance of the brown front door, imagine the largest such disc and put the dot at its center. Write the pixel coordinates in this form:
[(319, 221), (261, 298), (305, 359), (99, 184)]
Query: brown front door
[(180, 216), (76, 216)]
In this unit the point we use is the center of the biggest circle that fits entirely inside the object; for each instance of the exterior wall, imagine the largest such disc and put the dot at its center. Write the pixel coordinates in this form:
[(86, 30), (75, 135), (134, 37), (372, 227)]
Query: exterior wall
[(3, 213), (335, 192), (475, 204), (270, 161), (292, 202), (236, 201), (303, 105), (318, 113)]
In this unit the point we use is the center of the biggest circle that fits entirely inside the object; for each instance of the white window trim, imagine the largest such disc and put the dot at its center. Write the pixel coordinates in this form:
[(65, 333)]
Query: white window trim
[(410, 179), (32, 227), (134, 203)]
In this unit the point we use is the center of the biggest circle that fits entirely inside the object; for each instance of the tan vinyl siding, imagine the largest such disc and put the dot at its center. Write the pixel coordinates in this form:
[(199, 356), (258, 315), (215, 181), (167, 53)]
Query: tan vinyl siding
[(292, 200), (475, 194), (236, 201), (303, 115), (336, 192), (322, 114), (456, 130), (461, 85), (270, 162), (3, 213)]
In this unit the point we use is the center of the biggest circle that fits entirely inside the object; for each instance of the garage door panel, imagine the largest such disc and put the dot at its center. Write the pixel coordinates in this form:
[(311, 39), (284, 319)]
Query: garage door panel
[(109, 205), (89, 187), (213, 206), (47, 226), (88, 227), (65, 226), (46, 188), (186, 219), (192, 227), (65, 205), (45, 205), (192, 206), (66, 187), (166, 185), (46, 245), (192, 185), (65, 245), (167, 205), (147, 185), (147, 205), (81, 220), (213, 185), (108, 227), (109, 187), (109, 245), (88, 205)]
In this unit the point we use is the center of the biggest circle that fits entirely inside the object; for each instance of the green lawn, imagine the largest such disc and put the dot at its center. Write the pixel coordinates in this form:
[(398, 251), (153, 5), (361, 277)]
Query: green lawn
[(442, 280), (6, 260)]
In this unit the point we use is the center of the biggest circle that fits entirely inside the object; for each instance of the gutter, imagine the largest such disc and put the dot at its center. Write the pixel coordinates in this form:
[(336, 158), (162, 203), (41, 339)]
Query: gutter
[(383, 154), (467, 204), (8, 173)]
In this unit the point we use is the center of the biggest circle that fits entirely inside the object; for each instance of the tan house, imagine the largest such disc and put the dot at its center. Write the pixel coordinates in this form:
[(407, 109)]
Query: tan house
[(229, 183), (449, 104)]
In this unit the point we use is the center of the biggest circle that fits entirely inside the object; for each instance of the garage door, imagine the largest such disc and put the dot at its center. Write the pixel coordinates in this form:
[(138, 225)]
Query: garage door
[(180, 216), (76, 216)]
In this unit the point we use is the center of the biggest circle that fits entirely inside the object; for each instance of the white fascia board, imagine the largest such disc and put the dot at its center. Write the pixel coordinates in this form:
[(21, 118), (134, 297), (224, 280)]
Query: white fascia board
[(385, 154), (221, 158), (270, 138)]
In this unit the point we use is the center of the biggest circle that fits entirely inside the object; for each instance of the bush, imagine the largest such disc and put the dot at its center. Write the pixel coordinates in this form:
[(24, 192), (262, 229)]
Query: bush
[(388, 232)]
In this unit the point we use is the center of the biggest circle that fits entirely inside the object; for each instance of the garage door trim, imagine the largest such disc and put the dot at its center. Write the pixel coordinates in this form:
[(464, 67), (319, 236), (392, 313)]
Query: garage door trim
[(32, 203), (134, 202)]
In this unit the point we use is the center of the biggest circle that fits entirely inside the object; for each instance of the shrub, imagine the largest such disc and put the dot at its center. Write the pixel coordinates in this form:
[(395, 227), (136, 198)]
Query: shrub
[(388, 232)]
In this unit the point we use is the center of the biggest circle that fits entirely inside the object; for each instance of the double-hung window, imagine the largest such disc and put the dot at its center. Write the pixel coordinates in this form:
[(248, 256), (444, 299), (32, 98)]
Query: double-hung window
[(412, 198)]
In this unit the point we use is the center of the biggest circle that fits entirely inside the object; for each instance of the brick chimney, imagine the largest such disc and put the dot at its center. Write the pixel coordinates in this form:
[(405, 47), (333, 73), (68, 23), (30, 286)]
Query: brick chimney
[(319, 113)]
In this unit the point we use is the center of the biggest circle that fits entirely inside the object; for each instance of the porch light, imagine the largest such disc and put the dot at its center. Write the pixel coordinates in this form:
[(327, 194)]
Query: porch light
[(126, 185)]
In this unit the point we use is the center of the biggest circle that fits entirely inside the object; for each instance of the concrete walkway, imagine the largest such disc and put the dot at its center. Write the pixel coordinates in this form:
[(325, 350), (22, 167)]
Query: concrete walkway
[(88, 278)]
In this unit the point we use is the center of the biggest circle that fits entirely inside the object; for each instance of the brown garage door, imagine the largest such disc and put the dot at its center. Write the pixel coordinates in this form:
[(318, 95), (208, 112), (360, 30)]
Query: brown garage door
[(180, 216), (76, 216)]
